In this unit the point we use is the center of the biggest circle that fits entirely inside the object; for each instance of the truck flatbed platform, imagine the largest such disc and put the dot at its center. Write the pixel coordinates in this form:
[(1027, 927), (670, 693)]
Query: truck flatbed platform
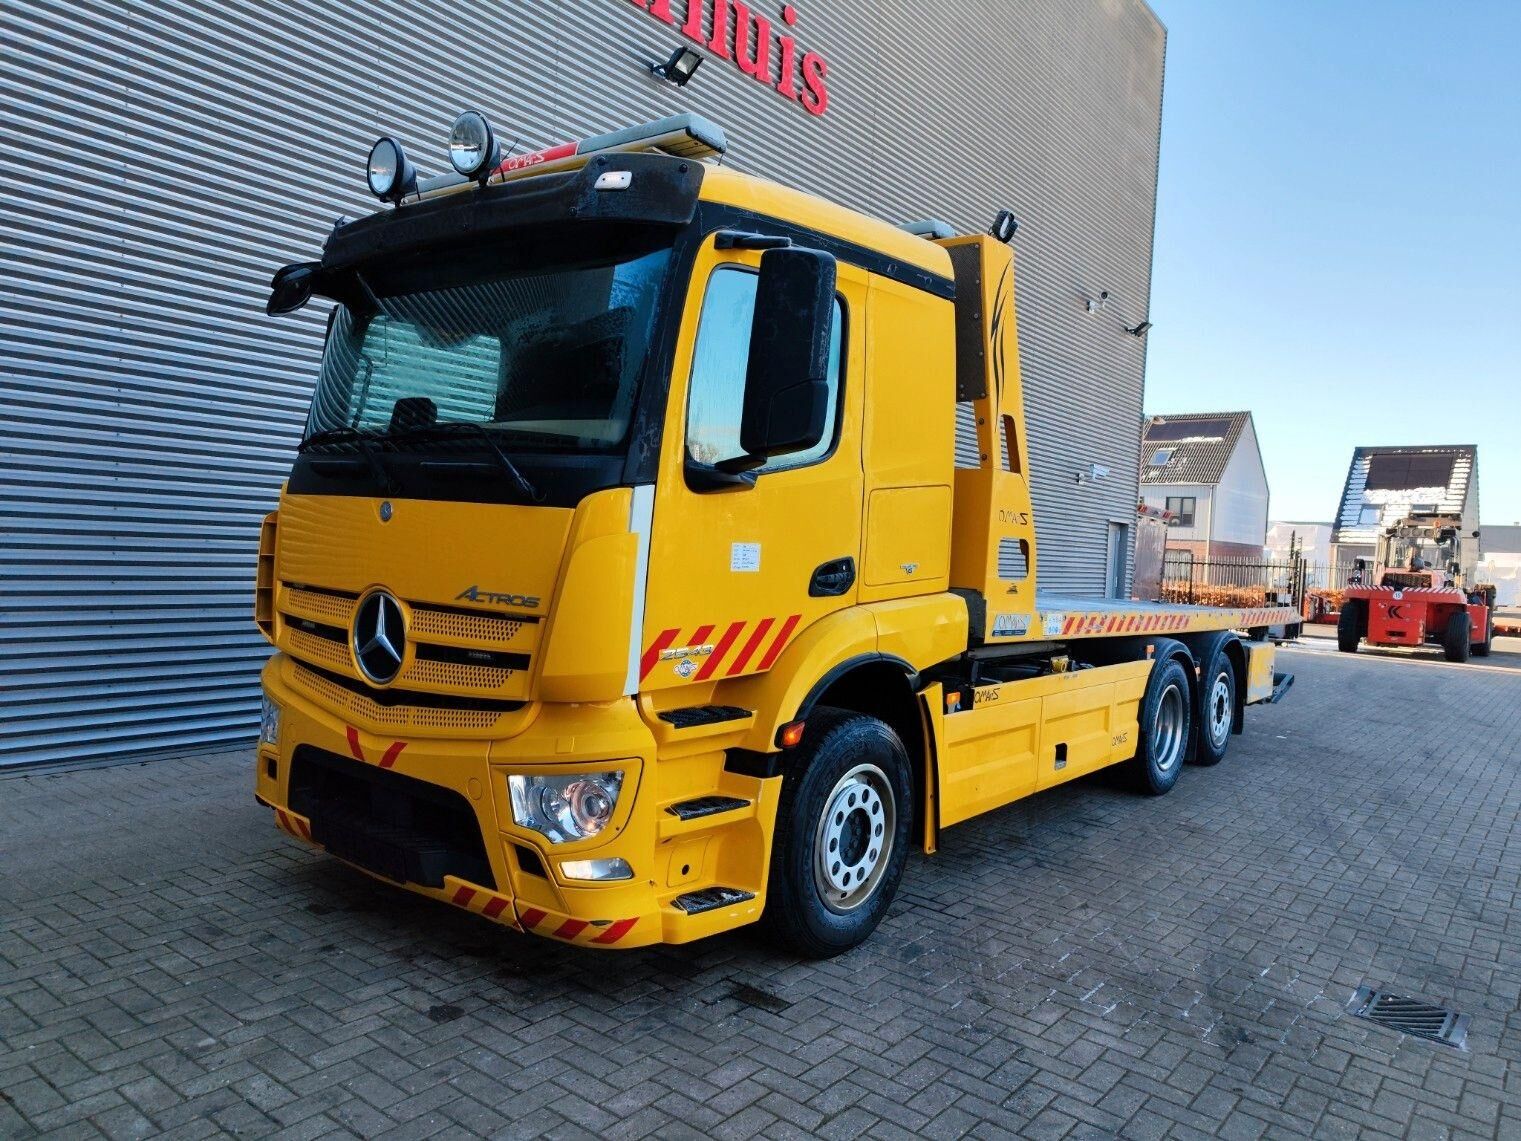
[(1070, 616)]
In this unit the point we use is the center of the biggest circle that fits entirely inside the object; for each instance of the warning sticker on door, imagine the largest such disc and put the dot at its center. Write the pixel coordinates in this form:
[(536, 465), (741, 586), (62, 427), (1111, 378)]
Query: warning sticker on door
[(744, 556)]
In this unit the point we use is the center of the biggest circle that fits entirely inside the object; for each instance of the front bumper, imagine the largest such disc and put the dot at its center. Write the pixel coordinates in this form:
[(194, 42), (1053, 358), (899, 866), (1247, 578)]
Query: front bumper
[(516, 879)]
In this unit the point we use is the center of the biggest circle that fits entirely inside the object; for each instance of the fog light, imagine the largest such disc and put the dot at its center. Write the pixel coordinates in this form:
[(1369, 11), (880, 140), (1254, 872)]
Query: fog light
[(269, 723), (565, 808), (390, 175), (472, 146), (614, 869)]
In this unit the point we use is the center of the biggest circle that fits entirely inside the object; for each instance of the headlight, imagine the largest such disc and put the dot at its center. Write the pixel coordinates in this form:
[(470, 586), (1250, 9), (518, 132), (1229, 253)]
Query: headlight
[(269, 723), (565, 808)]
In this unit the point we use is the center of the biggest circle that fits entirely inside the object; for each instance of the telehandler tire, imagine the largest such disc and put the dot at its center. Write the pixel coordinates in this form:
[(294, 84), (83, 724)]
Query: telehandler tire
[(1165, 722), (842, 834), (1455, 643), (1481, 649), (1349, 626)]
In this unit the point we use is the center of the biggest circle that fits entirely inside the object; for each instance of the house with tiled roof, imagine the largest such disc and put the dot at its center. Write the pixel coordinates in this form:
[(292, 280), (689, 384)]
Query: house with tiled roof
[(1205, 470), (1384, 485)]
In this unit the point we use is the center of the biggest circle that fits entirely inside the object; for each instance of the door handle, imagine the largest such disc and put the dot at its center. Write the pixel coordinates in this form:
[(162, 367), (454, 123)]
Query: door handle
[(832, 578)]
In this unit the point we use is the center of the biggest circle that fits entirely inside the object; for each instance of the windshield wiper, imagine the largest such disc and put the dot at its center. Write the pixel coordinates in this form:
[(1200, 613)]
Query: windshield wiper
[(363, 440), (454, 427)]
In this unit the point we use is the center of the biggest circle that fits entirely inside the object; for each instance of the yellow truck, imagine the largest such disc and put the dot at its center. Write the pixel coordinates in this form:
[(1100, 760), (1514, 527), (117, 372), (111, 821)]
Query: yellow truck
[(626, 588)]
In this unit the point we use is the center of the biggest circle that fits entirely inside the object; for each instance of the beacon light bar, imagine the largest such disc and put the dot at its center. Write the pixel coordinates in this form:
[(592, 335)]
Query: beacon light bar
[(684, 136)]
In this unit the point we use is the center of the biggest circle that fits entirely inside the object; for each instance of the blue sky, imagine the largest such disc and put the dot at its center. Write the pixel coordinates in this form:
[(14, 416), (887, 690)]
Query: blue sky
[(1338, 242)]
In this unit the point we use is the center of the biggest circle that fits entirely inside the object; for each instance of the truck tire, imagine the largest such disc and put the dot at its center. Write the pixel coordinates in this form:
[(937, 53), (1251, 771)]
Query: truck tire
[(1481, 649), (1455, 643), (1165, 721), (1217, 708), (1349, 626), (842, 834)]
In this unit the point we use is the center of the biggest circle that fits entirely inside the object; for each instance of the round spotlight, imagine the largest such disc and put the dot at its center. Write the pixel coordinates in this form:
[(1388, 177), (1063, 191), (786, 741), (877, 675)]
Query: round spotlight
[(389, 173), (472, 147)]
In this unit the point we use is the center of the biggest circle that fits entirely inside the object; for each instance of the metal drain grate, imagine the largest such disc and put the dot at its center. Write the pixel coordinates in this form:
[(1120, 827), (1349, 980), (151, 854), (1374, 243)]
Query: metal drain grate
[(1411, 1016)]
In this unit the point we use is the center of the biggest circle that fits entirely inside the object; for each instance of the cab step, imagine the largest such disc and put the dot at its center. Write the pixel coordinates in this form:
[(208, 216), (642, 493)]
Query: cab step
[(710, 899), (691, 716), (706, 806)]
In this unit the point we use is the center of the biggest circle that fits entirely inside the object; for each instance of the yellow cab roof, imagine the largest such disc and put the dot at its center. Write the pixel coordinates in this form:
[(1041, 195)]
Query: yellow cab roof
[(762, 196)]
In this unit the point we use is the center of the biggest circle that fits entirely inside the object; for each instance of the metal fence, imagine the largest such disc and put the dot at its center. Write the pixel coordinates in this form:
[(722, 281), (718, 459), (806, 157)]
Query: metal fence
[(1313, 589)]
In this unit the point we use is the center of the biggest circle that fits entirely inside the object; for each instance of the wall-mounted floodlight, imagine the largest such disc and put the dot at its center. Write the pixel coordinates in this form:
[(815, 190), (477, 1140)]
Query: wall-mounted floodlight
[(472, 146), (390, 175), (680, 68), (1004, 226), (1139, 330)]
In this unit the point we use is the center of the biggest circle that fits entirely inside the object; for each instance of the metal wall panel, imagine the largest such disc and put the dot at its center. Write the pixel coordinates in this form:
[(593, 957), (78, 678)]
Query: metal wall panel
[(151, 408)]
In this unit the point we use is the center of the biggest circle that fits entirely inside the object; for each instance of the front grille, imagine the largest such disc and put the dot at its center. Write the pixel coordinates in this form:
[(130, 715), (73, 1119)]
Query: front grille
[(475, 627), (1406, 581), (316, 648), (396, 826), (335, 608), (410, 712), (455, 676), (317, 630)]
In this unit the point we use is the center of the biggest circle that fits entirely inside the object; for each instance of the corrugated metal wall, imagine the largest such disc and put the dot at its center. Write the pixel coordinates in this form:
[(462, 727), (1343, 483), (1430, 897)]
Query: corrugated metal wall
[(150, 408)]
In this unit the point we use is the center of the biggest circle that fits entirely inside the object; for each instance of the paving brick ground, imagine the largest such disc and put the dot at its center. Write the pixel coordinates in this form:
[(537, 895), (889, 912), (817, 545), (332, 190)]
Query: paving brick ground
[(1087, 963)]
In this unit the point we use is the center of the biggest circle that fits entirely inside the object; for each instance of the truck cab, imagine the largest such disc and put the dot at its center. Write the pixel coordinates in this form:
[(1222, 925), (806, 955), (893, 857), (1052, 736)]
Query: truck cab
[(626, 587)]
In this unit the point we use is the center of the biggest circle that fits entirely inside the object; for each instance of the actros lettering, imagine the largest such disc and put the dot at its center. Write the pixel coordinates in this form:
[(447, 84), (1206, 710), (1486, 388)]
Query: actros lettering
[(496, 598)]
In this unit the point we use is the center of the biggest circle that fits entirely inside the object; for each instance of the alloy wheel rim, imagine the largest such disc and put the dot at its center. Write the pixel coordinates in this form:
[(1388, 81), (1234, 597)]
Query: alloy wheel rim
[(1167, 733), (1220, 710), (853, 842)]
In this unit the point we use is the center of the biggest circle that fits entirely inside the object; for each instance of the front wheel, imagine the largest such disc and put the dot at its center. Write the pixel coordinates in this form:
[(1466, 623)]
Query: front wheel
[(1349, 626), (842, 834), (1459, 630), (1481, 649)]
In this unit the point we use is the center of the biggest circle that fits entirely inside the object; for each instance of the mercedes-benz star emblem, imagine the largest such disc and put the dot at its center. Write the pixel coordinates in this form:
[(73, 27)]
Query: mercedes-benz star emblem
[(379, 637)]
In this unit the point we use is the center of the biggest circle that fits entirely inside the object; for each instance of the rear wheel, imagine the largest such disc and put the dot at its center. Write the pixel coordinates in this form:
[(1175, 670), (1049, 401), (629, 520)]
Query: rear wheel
[(842, 831), (1459, 630), (1481, 649), (1349, 626), (1165, 722), (1217, 709)]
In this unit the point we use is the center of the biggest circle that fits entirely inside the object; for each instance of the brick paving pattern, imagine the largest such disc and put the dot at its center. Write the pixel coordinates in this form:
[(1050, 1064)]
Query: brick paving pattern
[(1084, 964)]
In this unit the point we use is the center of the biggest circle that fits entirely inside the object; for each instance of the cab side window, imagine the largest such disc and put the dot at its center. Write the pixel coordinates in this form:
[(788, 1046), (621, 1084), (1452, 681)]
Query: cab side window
[(718, 373)]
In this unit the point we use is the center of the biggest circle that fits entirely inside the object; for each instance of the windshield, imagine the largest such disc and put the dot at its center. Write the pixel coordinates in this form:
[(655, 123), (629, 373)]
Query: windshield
[(552, 354)]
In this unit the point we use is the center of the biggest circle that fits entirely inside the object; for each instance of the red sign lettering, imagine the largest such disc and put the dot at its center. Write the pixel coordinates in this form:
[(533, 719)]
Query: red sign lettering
[(737, 32)]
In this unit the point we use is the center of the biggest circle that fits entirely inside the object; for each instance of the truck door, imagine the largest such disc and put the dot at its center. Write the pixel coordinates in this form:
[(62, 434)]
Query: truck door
[(736, 573)]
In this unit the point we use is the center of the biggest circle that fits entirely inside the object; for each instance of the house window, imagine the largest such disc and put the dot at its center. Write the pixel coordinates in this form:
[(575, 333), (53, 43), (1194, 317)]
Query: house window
[(1161, 456), (1182, 508), (1368, 516)]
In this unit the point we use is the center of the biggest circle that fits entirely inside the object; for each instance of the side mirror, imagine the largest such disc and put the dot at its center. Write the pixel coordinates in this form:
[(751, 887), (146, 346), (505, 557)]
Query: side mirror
[(787, 377), (292, 287)]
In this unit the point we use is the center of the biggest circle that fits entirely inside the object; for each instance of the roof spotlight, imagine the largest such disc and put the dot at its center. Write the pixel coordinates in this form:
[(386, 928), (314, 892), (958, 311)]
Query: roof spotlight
[(680, 68), (390, 175), (472, 146), (1004, 226)]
